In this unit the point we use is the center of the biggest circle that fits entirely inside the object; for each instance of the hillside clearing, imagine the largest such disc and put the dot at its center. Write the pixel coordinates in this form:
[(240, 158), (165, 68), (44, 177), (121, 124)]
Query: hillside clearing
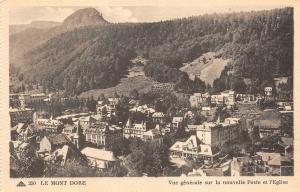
[(207, 67)]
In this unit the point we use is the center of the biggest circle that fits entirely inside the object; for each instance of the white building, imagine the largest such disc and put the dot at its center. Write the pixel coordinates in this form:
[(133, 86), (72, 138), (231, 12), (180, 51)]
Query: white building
[(199, 99), (268, 91), (49, 125), (217, 134), (153, 135), (135, 129), (177, 122), (226, 97), (193, 149), (158, 117), (99, 158), (143, 109), (107, 109)]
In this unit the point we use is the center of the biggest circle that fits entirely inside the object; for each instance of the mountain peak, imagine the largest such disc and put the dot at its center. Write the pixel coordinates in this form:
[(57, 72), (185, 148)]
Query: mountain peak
[(84, 17)]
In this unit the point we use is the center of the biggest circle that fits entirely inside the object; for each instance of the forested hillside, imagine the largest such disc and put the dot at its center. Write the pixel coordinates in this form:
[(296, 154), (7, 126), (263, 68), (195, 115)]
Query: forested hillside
[(260, 45)]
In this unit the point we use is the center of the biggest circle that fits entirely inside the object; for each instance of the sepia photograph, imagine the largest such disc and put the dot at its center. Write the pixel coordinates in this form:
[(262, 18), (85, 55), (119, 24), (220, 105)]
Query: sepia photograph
[(151, 91)]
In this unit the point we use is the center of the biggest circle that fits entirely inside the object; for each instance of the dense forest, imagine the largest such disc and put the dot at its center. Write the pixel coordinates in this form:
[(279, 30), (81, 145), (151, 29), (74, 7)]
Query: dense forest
[(259, 44)]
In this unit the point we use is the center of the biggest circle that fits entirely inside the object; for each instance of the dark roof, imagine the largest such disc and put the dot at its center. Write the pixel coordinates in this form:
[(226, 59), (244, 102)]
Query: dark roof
[(99, 125), (268, 123), (270, 114), (59, 139)]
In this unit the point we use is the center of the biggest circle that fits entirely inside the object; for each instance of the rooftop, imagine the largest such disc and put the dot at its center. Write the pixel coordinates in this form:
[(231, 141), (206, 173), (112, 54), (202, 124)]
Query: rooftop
[(99, 154), (58, 139), (271, 158), (19, 109), (158, 114)]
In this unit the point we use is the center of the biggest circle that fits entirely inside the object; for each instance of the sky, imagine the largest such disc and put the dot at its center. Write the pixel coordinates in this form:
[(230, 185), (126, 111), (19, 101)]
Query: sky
[(120, 14)]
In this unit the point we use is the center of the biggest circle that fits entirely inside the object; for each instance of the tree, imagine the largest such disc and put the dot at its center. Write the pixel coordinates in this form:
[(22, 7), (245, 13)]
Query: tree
[(134, 94), (204, 60), (239, 86), (135, 163), (287, 125), (147, 158), (199, 85), (28, 165), (116, 95), (260, 44), (91, 104), (218, 86), (121, 148), (101, 97), (208, 88), (21, 77), (70, 169), (23, 88)]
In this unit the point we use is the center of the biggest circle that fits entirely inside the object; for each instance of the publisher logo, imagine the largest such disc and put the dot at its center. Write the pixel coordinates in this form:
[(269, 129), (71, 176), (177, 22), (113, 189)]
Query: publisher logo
[(21, 184)]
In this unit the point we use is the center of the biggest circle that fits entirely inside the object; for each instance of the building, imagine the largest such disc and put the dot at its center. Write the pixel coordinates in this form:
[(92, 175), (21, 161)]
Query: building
[(99, 158), (101, 109), (194, 149), (25, 99), (244, 166), (168, 128), (268, 92), (217, 134), (272, 162), (225, 98), (75, 134), (280, 80), (192, 128), (135, 129), (229, 97), (246, 98), (143, 109), (21, 99), (49, 125), (103, 135), (24, 115), (285, 147), (113, 102), (26, 133), (86, 121), (69, 129), (53, 142), (268, 123), (107, 109), (217, 100), (199, 99), (196, 100), (285, 106), (64, 154), (209, 112), (177, 122), (68, 117), (158, 118), (38, 97), (58, 148), (267, 127), (153, 135), (17, 147)]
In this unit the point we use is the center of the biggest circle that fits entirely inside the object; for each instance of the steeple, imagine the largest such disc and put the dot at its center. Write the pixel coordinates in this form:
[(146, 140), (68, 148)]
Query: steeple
[(219, 118), (128, 122), (157, 127)]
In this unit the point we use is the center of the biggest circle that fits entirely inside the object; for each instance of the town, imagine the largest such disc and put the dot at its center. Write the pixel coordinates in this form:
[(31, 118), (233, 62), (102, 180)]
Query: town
[(157, 133)]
